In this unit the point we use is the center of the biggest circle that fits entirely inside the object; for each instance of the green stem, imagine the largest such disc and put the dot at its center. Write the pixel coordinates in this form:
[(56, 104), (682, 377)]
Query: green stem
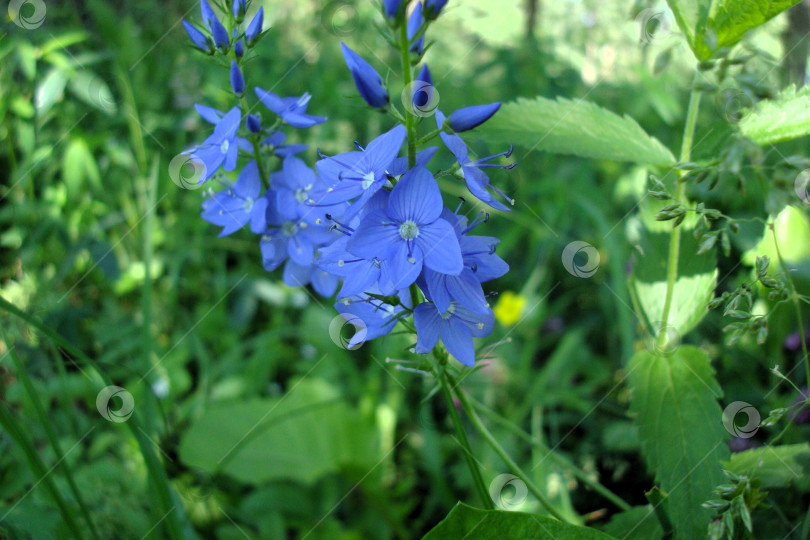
[(22, 373), (675, 237), (428, 137), (516, 470), (407, 78), (558, 458), (483, 493), (794, 297)]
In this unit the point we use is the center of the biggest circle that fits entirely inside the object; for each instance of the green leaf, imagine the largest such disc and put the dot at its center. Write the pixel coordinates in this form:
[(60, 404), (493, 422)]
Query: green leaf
[(710, 25), (93, 90), (774, 466), (638, 523), (781, 119), (303, 435), (697, 274), (78, 165), (578, 127), (792, 227), (467, 522), (674, 398)]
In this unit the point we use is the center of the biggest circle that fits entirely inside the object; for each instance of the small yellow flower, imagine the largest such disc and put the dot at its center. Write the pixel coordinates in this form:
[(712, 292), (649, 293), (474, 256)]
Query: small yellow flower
[(510, 308)]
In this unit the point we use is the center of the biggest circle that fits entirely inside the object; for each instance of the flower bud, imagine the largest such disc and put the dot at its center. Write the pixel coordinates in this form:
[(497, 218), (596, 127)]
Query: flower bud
[(237, 79), (200, 40), (368, 82), (254, 123), (239, 9), (471, 117), (254, 29), (433, 8), (414, 24), (392, 8), (220, 35), (239, 48)]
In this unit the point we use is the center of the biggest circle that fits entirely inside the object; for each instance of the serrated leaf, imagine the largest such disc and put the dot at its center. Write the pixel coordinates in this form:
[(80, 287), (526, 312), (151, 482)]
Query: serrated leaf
[(467, 522), (300, 436), (674, 398), (697, 274), (710, 25), (578, 127), (774, 466), (781, 119)]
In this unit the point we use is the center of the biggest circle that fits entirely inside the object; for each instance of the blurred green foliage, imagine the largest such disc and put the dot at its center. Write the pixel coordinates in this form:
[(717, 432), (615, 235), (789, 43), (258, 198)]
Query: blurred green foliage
[(98, 244)]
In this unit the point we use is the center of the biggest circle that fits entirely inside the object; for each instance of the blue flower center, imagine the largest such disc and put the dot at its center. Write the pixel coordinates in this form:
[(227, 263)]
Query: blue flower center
[(224, 146), (289, 228), (247, 206), (368, 179), (301, 194), (408, 230), (450, 310)]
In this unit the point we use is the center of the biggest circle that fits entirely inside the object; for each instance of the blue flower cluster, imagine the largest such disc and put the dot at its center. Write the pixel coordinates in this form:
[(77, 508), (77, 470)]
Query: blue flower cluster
[(368, 226)]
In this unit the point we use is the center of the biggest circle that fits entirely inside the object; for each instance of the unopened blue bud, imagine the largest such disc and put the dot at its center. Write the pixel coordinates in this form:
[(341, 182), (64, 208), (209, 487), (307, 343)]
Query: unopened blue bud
[(392, 8), (366, 79), (434, 7), (239, 10), (414, 24), (237, 79), (208, 14), (220, 36), (255, 27), (254, 123), (471, 117), (239, 48), (200, 40)]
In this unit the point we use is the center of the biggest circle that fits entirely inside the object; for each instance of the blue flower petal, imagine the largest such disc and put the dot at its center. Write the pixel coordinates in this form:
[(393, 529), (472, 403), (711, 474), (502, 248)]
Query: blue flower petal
[(374, 236), (416, 197), (427, 321), (458, 340), (440, 247)]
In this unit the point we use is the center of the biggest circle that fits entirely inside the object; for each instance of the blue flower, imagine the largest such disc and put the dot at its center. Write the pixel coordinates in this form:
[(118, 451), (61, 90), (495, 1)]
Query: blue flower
[(221, 147), (477, 181), (200, 40), (297, 275), (295, 237), (480, 265), (360, 173), (291, 109), (366, 79), (276, 142), (414, 24), (433, 8), (376, 318), (409, 233), (237, 79), (471, 117), (457, 327), (295, 185), (232, 208), (254, 29)]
